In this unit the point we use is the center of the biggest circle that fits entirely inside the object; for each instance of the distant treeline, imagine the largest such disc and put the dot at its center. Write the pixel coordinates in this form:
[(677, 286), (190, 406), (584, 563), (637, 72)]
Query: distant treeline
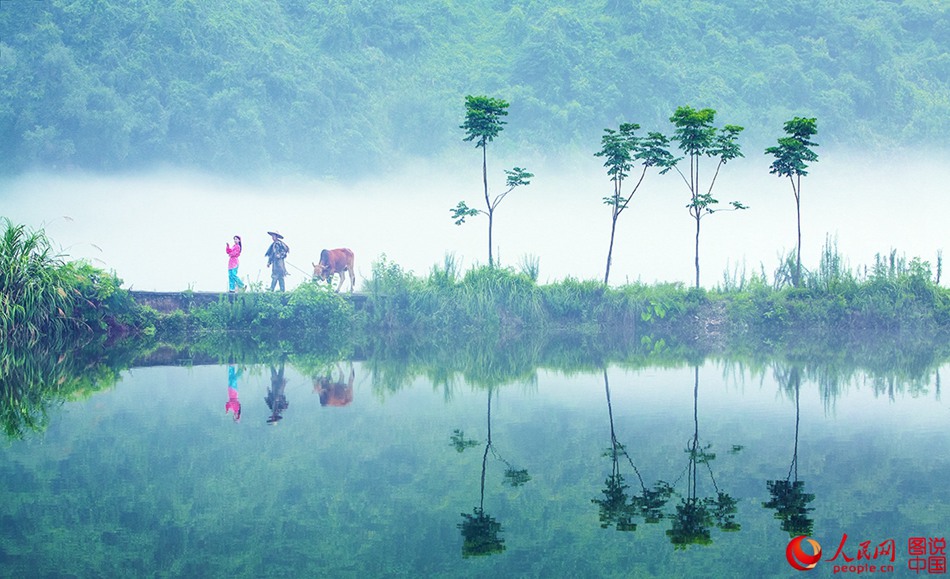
[(342, 88)]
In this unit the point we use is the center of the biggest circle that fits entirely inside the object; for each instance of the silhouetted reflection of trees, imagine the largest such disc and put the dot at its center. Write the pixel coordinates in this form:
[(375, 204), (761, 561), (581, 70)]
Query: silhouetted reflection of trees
[(696, 515), (46, 374), (480, 534), (789, 498), (460, 443), (480, 531), (617, 508)]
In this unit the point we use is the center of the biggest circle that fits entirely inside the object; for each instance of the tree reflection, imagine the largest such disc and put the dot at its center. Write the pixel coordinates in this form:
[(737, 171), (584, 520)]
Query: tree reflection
[(789, 498), (34, 378), (617, 509), (695, 515), (480, 531)]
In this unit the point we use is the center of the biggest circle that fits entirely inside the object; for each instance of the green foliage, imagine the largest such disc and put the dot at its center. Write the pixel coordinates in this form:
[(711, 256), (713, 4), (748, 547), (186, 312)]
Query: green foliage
[(698, 138), (462, 211), (33, 299), (790, 502), (42, 295), (482, 124), (480, 534), (835, 304), (792, 156), (279, 84), (483, 119), (530, 266), (619, 149), (312, 312), (794, 152), (616, 147), (460, 443)]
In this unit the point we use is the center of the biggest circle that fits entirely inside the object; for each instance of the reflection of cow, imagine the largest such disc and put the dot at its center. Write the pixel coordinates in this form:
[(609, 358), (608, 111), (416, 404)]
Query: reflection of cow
[(334, 261), (334, 393)]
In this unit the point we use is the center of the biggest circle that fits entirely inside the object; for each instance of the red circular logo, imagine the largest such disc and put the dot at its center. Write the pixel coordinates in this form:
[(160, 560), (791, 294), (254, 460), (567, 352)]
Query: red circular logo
[(798, 558)]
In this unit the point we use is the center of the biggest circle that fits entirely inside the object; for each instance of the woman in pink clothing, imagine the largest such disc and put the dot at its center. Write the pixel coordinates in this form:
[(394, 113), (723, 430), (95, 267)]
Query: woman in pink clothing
[(234, 252)]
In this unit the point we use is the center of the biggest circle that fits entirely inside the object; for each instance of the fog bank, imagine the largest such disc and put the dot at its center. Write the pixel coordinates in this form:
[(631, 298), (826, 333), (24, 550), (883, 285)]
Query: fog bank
[(166, 230)]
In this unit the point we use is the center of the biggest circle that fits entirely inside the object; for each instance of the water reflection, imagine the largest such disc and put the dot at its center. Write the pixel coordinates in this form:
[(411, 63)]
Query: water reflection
[(362, 475), (788, 496), (33, 379), (332, 392), (233, 404), (47, 374), (616, 508), (481, 533), (695, 515), (276, 399)]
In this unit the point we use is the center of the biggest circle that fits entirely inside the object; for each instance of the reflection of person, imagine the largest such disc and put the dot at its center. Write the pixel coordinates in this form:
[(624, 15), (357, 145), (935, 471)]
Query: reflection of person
[(275, 255), (233, 404), (234, 282), (332, 393), (275, 399)]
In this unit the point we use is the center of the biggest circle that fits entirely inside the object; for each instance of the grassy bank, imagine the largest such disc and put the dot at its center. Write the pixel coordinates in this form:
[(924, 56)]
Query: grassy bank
[(834, 305), (44, 297)]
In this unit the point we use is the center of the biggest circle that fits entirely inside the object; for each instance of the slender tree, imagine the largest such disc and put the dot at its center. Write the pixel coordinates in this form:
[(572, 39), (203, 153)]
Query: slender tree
[(792, 155), (698, 138), (483, 122), (621, 150)]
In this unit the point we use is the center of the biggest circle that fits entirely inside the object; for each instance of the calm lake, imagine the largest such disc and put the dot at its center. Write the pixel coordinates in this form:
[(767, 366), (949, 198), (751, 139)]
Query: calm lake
[(681, 471)]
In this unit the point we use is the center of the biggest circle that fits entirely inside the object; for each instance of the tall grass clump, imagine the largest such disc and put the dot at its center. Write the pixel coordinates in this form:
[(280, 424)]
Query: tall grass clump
[(448, 302), (834, 303), (54, 317), (44, 296), (507, 302), (33, 297), (399, 300), (500, 295)]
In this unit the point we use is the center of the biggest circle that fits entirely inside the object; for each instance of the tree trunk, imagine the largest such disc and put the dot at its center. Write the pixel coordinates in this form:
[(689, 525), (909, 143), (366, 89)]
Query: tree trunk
[(491, 222), (697, 252), (610, 250), (798, 212), (491, 261)]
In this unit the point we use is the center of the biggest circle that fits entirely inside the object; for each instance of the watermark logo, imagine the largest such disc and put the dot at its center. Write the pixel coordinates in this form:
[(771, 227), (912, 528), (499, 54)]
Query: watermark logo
[(798, 558), (925, 555)]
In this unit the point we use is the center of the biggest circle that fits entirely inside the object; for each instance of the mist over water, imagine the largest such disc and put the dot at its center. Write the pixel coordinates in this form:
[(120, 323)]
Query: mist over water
[(166, 230)]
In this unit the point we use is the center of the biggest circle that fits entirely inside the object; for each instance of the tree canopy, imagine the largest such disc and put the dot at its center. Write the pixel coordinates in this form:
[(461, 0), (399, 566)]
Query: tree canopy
[(338, 88)]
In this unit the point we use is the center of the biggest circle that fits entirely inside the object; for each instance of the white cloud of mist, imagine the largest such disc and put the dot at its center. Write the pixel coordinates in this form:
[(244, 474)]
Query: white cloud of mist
[(166, 230)]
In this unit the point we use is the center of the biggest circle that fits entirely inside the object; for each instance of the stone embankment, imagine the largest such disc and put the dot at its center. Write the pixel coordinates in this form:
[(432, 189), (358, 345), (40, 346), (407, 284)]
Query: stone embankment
[(168, 302)]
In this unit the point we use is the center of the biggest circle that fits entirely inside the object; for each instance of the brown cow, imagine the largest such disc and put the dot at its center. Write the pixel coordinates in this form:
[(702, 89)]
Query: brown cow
[(334, 261)]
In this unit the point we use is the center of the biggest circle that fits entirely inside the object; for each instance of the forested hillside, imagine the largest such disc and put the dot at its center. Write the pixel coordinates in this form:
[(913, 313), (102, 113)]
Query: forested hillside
[(342, 87)]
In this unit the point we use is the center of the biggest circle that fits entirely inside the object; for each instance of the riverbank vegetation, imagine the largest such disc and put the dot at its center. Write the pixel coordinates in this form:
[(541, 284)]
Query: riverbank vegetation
[(45, 297), (69, 329), (833, 304), (312, 313), (35, 380)]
